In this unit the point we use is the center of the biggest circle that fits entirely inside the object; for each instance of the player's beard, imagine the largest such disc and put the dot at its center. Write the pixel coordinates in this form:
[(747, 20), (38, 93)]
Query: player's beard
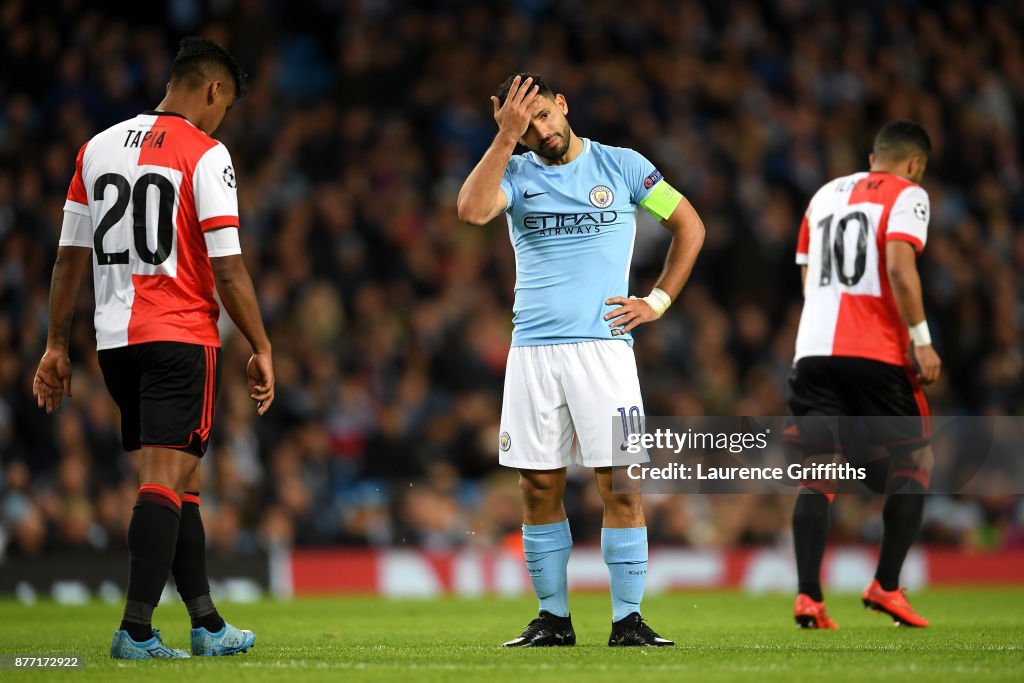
[(556, 152)]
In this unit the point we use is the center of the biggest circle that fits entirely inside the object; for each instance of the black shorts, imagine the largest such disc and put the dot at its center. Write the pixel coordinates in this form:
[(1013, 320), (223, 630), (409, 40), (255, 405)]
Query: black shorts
[(886, 399), (166, 391)]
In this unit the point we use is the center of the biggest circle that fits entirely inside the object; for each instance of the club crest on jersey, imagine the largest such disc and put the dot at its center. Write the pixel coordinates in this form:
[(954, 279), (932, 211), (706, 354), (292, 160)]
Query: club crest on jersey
[(504, 442), (601, 196), (921, 211), (229, 177)]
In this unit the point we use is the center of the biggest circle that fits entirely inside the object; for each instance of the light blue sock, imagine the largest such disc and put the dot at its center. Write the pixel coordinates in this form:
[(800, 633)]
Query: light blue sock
[(625, 553), (547, 548)]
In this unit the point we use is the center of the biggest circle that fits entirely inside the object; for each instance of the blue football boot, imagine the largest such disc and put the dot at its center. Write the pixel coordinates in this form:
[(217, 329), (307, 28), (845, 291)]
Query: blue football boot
[(123, 647), (227, 641)]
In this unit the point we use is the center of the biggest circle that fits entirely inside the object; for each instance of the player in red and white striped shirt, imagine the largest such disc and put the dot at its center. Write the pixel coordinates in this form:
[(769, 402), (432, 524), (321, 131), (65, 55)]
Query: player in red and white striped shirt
[(862, 308), (153, 200)]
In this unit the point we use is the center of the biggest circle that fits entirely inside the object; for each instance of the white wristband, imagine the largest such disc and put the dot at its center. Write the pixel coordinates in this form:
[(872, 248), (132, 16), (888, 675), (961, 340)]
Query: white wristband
[(920, 335), (659, 301)]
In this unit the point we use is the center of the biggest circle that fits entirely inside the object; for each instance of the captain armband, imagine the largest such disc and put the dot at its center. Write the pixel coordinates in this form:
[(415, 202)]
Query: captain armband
[(662, 200)]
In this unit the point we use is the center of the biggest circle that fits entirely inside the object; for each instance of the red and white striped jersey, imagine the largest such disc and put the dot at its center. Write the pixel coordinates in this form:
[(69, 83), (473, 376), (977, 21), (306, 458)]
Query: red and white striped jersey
[(849, 309), (151, 186)]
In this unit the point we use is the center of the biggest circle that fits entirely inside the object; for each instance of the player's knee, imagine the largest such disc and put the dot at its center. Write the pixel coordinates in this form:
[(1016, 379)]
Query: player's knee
[(625, 503), (171, 468), (920, 458), (183, 473), (539, 490), (623, 510)]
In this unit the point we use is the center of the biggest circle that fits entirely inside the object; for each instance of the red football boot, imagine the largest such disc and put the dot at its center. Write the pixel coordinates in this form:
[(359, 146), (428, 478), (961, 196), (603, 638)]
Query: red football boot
[(811, 614), (893, 603)]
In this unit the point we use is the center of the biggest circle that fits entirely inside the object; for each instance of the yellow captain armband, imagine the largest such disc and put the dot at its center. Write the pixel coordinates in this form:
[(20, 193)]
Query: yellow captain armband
[(662, 200)]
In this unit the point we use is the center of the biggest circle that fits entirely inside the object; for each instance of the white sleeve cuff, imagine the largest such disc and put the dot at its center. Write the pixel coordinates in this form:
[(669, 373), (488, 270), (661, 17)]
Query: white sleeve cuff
[(74, 207), (76, 230), (222, 242)]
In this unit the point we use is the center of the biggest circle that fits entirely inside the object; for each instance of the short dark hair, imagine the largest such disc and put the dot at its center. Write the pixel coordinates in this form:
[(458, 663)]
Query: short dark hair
[(900, 140), (197, 61), (503, 89)]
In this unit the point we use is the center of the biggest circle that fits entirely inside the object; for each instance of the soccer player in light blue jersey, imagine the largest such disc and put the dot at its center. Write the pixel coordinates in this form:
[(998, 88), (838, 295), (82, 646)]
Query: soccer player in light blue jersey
[(571, 210)]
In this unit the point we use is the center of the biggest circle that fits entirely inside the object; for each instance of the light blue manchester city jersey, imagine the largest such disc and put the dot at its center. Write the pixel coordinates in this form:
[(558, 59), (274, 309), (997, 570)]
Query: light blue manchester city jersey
[(572, 228)]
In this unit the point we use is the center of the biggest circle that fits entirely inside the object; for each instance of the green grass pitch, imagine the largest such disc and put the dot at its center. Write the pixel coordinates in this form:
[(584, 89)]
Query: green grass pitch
[(975, 634)]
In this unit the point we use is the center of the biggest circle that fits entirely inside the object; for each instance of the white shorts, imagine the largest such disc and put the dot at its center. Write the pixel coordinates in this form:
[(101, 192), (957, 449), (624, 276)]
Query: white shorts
[(566, 403)]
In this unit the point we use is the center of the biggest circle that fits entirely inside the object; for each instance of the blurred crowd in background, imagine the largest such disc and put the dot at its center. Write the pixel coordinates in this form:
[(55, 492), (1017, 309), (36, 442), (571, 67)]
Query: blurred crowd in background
[(391, 321)]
